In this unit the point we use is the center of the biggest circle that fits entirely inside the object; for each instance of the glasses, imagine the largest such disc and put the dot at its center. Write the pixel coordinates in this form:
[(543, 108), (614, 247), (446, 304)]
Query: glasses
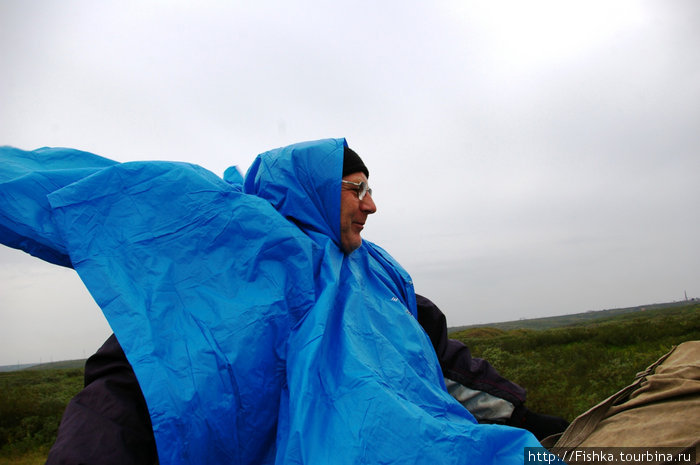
[(361, 188)]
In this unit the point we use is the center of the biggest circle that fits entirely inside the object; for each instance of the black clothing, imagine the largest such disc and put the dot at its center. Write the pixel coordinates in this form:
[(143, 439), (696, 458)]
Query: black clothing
[(107, 423), (537, 423), (457, 362)]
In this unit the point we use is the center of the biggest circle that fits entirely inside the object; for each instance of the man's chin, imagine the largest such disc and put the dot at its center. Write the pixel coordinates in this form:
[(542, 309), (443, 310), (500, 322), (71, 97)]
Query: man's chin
[(350, 246)]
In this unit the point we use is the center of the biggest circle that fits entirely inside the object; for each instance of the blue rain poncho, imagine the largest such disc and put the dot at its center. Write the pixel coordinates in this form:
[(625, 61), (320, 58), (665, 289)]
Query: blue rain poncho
[(255, 340)]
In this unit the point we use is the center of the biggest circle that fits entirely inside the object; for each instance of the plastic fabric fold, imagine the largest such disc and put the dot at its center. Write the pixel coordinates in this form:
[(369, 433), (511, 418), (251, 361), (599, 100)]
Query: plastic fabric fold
[(26, 178), (253, 337)]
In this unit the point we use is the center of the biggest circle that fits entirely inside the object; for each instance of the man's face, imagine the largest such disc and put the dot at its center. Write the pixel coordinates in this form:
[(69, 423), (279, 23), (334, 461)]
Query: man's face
[(353, 212)]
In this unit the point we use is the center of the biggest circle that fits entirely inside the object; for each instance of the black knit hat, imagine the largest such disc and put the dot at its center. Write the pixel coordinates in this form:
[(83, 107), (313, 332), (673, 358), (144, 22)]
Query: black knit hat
[(352, 163)]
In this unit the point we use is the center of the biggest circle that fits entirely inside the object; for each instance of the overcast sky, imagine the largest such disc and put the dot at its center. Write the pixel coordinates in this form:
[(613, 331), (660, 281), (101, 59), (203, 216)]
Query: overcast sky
[(528, 158)]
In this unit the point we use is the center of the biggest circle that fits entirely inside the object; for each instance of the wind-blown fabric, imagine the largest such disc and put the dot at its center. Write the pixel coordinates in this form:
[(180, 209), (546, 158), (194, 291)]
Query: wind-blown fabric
[(253, 337), (25, 180)]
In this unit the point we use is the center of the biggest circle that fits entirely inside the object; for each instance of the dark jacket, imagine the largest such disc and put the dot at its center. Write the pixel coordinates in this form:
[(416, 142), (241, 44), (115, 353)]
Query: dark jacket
[(107, 422), (457, 362)]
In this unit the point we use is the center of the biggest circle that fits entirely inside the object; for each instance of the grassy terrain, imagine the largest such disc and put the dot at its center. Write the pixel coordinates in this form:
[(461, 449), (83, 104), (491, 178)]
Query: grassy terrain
[(31, 405), (574, 318), (78, 363), (566, 370)]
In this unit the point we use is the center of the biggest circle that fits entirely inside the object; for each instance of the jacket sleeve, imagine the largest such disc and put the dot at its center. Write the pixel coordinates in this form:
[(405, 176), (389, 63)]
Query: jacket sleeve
[(459, 366), (108, 421)]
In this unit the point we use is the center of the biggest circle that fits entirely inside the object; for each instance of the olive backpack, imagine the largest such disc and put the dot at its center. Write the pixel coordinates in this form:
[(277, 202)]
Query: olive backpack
[(659, 409)]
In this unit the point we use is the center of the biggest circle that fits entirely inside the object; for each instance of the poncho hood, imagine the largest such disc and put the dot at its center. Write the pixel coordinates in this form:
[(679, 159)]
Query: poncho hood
[(302, 182)]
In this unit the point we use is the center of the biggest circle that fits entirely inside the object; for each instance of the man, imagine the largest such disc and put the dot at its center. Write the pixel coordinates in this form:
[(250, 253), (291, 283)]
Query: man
[(356, 202), (339, 354)]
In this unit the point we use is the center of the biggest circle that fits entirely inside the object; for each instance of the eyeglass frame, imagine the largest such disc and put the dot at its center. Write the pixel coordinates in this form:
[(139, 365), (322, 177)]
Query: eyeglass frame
[(362, 188)]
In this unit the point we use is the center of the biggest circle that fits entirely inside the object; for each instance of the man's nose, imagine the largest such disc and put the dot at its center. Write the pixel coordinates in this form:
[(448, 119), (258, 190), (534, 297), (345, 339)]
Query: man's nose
[(367, 204)]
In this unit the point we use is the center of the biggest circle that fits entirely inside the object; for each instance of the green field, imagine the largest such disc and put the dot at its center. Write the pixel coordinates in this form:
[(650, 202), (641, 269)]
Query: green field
[(31, 404), (566, 370)]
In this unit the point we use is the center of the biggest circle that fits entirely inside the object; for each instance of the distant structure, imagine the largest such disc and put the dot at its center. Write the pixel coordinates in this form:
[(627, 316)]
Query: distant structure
[(686, 295)]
